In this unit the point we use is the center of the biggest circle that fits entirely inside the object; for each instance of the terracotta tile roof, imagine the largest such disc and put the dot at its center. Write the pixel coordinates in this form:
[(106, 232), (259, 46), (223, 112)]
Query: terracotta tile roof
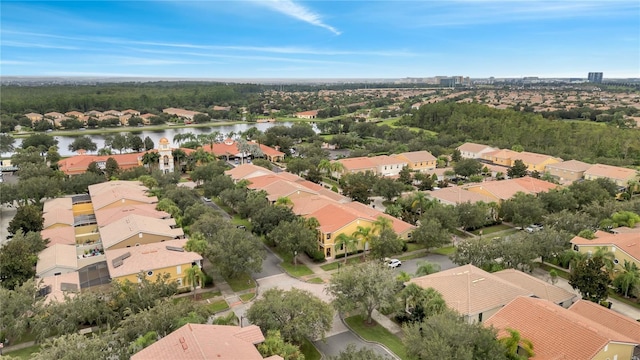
[(417, 156), (132, 225), (532, 158), (473, 147), (34, 116), (506, 189), (60, 285), (247, 171), (270, 151), (458, 195), (63, 256), (206, 342), (334, 217), (113, 191), (230, 148), (608, 318), (64, 203), (78, 164), (54, 114), (383, 160), (556, 333), (149, 257), (107, 216), (539, 288), (305, 205), (310, 112), (76, 114), (627, 242), (324, 191), (626, 230), (64, 235), (283, 188), (358, 164), (470, 290), (60, 216), (570, 165), (611, 172), (399, 226)]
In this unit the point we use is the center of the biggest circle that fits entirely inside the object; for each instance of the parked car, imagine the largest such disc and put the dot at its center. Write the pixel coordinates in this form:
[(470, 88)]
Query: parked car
[(533, 228), (394, 263), (206, 199)]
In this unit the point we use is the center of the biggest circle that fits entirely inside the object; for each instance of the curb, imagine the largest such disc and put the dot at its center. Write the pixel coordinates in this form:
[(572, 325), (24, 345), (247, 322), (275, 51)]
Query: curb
[(391, 353)]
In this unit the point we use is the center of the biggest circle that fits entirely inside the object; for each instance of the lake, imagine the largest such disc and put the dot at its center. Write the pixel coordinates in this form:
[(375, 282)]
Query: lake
[(156, 135)]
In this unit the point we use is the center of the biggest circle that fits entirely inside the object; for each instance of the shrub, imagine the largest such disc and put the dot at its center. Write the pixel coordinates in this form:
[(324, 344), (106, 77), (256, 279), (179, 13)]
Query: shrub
[(316, 255)]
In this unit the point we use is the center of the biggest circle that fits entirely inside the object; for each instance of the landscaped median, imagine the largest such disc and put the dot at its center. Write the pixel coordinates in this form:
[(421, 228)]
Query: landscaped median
[(378, 334)]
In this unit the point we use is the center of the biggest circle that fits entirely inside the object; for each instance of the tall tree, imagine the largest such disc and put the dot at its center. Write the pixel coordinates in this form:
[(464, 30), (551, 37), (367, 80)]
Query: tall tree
[(629, 279), (83, 143), (589, 278), (274, 344), (363, 289), (27, 218), (346, 242), (194, 277), (468, 167), (296, 313), (293, 237), (519, 169), (517, 348), (148, 144), (18, 258)]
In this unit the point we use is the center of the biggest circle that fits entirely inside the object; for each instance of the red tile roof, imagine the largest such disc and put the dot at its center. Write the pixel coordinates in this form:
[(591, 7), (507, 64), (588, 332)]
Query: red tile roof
[(611, 172), (556, 333), (78, 164), (626, 242), (206, 342)]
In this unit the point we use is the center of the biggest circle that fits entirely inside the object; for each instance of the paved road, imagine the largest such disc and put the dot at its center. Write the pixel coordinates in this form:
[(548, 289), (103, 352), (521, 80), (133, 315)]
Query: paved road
[(215, 206), (336, 343), (270, 266), (410, 266)]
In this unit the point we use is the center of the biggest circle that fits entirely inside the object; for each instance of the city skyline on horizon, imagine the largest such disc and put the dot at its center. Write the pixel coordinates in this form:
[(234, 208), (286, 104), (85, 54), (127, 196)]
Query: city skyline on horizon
[(287, 39)]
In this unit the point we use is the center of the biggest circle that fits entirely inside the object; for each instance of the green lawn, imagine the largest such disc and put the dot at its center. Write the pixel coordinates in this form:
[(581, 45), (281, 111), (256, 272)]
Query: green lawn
[(461, 234), (378, 334), (315, 280), (247, 297), (242, 282), (237, 220), (209, 295), (416, 255), (340, 263), (561, 273), (24, 353), (309, 351), (287, 264), (218, 306), (414, 246), (446, 250), (492, 229)]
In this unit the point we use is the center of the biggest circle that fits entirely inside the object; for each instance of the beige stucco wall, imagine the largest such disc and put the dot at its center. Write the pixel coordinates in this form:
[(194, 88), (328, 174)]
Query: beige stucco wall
[(623, 351), (141, 240)]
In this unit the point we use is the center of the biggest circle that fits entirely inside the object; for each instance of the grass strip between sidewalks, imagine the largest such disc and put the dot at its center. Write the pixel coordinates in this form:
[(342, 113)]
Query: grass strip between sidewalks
[(378, 334)]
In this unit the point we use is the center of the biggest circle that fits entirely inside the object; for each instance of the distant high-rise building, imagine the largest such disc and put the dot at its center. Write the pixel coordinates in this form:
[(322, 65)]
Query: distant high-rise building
[(595, 77)]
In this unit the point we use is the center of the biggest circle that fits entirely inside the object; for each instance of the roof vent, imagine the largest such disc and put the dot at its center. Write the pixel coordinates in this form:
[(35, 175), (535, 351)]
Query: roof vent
[(175, 248)]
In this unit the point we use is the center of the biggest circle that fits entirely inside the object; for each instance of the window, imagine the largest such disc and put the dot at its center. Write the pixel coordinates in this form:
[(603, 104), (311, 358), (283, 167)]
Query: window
[(179, 281), (150, 273), (575, 247), (328, 236), (615, 261), (480, 317), (179, 269)]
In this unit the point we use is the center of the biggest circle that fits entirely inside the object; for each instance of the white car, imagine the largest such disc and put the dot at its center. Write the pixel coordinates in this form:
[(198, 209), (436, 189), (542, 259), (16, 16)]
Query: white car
[(206, 199), (394, 263)]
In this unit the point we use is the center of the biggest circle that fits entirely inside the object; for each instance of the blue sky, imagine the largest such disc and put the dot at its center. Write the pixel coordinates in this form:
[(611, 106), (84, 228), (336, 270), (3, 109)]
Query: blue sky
[(320, 39)]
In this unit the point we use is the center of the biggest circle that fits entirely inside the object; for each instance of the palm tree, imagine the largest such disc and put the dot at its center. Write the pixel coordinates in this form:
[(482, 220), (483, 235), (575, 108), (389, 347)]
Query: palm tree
[(325, 167), (364, 235), (629, 280), (193, 277), (381, 224), (312, 223), (180, 138), (336, 168), (151, 159), (348, 243), (608, 258), (426, 268), (284, 201), (514, 344)]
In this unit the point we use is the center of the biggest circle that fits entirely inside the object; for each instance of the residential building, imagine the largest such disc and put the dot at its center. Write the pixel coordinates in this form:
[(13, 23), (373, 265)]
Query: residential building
[(228, 149), (108, 215), (567, 171), (420, 161), (78, 164), (382, 165), (135, 230), (34, 117), (473, 150), (57, 218), (119, 193), (55, 288), (94, 113), (54, 115), (619, 175), (472, 292), (540, 289), (608, 319), (131, 112), (311, 114), (456, 195), (181, 113), (57, 259), (624, 246), (558, 333), (533, 161), (247, 171), (206, 342), (64, 235), (595, 77), (506, 189), (167, 257)]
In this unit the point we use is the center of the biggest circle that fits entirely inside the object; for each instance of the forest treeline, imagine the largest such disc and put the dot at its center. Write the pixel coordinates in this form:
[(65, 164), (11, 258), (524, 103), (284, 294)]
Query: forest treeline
[(139, 96), (587, 142)]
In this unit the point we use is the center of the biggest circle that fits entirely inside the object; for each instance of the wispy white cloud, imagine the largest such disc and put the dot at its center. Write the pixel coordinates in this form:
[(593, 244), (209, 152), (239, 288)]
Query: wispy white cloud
[(297, 11), (38, 45), (18, 62)]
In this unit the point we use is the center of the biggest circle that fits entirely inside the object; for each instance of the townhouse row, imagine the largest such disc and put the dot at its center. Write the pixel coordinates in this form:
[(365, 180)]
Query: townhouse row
[(112, 233)]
